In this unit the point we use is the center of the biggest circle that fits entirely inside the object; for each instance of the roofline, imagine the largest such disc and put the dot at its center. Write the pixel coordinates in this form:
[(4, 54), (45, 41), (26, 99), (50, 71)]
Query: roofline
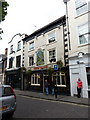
[(18, 34), (44, 28)]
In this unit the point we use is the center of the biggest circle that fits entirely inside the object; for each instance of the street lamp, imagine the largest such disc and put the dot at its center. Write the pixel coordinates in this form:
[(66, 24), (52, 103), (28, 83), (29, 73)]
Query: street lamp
[(67, 22)]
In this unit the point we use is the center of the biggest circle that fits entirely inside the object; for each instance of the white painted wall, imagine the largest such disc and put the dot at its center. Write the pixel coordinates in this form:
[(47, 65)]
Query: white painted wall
[(42, 42), (14, 42), (78, 71)]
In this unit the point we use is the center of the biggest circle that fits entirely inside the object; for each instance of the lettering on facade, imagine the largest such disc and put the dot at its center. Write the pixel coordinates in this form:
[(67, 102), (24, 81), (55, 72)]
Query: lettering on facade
[(41, 67)]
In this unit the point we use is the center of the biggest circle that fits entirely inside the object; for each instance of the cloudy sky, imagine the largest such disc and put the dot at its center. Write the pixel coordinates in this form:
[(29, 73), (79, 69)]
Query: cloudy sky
[(24, 15)]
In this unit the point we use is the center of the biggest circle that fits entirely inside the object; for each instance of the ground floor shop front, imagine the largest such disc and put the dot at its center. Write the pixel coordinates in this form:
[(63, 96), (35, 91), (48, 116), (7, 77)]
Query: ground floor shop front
[(36, 82), (14, 78)]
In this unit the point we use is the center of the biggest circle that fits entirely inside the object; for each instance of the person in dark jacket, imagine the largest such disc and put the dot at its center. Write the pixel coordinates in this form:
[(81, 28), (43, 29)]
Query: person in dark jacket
[(46, 87), (52, 86)]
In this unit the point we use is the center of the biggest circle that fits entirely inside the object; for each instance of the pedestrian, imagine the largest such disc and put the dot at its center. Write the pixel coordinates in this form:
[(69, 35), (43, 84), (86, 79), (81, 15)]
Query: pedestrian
[(79, 87), (46, 87), (56, 91), (52, 86)]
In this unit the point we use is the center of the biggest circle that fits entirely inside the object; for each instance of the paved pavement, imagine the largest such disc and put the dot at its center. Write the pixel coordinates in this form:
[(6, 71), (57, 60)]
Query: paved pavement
[(63, 98)]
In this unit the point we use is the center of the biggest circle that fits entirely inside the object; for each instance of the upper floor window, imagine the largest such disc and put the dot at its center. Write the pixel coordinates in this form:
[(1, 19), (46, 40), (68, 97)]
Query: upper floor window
[(81, 6), (19, 45), (31, 45), (84, 33), (18, 61), (51, 37), (52, 55), (31, 60), (11, 62), (11, 49)]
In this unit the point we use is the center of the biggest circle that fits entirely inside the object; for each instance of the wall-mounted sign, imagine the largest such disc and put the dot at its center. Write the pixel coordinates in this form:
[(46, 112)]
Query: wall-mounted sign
[(41, 67), (55, 67), (40, 57)]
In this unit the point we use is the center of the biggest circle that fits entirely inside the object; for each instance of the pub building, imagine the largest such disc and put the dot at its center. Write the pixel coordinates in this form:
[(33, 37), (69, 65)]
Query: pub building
[(45, 56)]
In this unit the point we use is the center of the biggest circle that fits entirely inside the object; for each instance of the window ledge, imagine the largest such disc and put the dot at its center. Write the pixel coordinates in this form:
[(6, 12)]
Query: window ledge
[(51, 43), (61, 85), (82, 45), (35, 84), (18, 50), (82, 14), (11, 53), (31, 66), (31, 50)]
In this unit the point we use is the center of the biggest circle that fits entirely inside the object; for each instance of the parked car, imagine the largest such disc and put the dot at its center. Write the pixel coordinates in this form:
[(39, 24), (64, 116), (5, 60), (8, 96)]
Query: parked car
[(7, 101)]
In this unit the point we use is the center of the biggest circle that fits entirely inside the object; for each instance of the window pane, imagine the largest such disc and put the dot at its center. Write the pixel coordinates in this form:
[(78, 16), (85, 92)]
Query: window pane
[(32, 80), (81, 6), (31, 45), (83, 39), (52, 56), (58, 80), (19, 45), (31, 60), (35, 79), (7, 91), (18, 61), (88, 79), (63, 80), (51, 37), (11, 48), (83, 33)]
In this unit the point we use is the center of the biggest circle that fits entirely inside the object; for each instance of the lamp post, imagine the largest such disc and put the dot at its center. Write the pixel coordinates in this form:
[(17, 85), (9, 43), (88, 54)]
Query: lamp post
[(67, 23)]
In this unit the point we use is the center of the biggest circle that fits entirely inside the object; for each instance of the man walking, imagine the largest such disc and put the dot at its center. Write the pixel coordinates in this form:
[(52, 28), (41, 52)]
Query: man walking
[(46, 87)]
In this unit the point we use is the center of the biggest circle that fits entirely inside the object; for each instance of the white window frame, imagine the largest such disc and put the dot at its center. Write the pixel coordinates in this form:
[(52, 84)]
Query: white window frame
[(19, 45), (31, 45), (51, 37), (11, 49), (83, 33), (60, 74), (50, 57), (81, 6), (54, 77), (36, 77), (29, 60)]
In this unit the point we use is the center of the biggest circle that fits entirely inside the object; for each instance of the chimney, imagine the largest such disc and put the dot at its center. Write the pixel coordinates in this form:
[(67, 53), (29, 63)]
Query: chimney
[(6, 50)]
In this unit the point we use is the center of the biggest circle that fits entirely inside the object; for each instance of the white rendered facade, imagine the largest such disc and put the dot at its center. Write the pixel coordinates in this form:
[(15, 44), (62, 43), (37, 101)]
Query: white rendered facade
[(15, 48), (41, 42), (79, 55), (43, 48)]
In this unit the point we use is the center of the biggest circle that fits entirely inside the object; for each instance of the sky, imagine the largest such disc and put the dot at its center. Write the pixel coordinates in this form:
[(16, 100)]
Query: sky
[(26, 16)]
